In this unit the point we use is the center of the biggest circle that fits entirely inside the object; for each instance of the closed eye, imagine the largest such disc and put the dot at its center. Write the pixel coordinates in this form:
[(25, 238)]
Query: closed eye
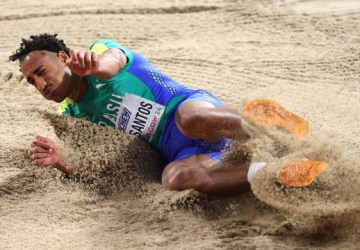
[(39, 71), (30, 80), (42, 72)]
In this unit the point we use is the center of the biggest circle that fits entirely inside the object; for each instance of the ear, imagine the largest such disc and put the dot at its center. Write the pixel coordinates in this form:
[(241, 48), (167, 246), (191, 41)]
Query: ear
[(62, 56)]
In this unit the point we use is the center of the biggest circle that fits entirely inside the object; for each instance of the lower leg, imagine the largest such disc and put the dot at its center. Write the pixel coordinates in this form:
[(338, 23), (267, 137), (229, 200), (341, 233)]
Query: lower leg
[(232, 177), (193, 173)]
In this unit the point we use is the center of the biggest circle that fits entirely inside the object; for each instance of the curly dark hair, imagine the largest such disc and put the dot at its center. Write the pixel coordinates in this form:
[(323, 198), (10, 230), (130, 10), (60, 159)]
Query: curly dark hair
[(39, 42)]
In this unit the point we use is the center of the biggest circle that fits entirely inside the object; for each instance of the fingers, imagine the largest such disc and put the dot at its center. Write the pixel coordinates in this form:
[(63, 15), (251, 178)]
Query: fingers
[(94, 59), (39, 152), (42, 138), (87, 60), (83, 58), (34, 150), (73, 57), (41, 144), (43, 152), (72, 61), (39, 156)]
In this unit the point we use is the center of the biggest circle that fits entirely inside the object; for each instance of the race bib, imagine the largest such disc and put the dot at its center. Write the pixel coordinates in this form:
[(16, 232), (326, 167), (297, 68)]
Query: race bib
[(139, 116)]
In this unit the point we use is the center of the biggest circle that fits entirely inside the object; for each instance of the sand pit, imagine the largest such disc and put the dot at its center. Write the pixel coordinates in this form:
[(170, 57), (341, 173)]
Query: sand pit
[(304, 54)]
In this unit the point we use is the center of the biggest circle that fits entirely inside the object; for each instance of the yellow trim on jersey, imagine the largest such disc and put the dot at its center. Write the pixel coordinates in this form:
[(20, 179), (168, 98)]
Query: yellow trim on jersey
[(99, 48), (64, 104)]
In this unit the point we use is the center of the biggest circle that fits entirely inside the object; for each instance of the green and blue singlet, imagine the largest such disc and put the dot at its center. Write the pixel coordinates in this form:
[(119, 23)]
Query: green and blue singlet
[(142, 101)]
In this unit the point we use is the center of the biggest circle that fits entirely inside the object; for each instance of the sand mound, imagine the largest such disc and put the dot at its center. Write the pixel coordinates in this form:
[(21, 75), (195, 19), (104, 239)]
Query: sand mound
[(108, 159), (122, 165)]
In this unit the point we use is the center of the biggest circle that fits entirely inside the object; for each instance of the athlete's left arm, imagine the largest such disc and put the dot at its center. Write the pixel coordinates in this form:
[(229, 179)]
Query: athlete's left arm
[(104, 66)]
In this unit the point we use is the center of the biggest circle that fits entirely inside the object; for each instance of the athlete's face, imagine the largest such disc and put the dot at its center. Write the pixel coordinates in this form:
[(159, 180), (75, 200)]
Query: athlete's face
[(48, 73)]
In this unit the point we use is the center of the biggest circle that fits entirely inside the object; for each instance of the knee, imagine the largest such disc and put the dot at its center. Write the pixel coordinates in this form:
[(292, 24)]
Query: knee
[(187, 121), (176, 177)]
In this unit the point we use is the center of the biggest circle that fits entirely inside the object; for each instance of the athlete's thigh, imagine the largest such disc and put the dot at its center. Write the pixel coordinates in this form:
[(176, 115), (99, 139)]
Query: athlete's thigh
[(174, 144), (200, 100), (192, 106)]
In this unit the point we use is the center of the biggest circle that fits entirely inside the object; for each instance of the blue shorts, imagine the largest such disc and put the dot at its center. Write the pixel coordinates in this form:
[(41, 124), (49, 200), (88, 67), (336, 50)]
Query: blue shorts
[(174, 145)]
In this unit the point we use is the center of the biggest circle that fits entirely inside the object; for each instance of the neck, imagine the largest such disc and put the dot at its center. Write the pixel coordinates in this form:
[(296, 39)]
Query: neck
[(77, 85)]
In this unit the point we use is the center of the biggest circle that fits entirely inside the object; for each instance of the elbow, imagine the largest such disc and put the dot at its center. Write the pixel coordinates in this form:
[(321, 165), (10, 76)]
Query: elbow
[(110, 64)]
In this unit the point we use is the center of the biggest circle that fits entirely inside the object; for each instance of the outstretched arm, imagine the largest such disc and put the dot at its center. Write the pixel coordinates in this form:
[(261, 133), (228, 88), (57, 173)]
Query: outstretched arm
[(104, 67), (44, 152)]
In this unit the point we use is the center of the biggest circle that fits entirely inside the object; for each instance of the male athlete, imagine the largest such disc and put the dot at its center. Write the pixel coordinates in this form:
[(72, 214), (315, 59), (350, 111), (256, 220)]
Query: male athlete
[(111, 85)]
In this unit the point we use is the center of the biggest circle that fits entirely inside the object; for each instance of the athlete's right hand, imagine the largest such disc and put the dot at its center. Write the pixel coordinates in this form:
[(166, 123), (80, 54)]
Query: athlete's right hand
[(43, 152), (83, 62)]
